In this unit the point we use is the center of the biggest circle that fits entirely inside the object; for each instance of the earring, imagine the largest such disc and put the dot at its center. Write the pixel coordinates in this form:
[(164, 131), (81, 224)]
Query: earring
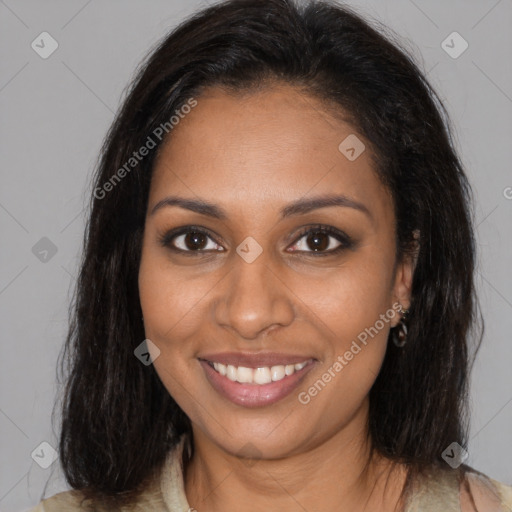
[(400, 331)]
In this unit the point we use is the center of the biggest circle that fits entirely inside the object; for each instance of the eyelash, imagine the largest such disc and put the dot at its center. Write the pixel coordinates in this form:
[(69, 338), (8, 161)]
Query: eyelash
[(345, 241)]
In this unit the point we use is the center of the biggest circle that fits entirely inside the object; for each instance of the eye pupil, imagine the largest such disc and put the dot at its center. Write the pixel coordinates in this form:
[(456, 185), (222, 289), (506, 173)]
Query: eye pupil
[(194, 240), (318, 241)]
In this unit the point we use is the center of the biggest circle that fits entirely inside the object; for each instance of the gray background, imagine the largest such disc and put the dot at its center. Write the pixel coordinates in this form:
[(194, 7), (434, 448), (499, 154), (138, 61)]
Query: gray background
[(54, 114)]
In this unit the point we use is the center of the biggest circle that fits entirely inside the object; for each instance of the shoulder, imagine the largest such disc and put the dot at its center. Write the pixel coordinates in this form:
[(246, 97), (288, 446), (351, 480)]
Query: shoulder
[(460, 490), (63, 501), (75, 501), (162, 492), (479, 492)]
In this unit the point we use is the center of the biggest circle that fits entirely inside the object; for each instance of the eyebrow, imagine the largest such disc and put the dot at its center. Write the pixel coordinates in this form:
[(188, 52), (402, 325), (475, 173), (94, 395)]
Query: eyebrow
[(299, 207)]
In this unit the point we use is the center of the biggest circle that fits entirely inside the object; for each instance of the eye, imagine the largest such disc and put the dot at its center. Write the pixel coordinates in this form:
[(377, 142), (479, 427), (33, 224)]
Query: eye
[(190, 239), (322, 241), (318, 240)]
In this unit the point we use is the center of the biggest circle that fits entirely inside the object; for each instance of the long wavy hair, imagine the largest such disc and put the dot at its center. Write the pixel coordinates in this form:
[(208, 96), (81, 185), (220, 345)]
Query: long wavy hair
[(118, 420)]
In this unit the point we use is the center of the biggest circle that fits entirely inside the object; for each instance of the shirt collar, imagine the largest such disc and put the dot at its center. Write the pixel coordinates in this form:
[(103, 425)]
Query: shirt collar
[(172, 484)]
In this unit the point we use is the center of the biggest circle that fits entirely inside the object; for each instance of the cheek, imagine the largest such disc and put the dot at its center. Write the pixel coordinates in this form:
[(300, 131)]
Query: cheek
[(171, 303), (174, 307), (350, 298), (170, 309), (353, 309)]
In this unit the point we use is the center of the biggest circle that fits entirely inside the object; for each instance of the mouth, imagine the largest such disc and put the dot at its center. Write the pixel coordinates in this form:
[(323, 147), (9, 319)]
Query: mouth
[(260, 375), (244, 379)]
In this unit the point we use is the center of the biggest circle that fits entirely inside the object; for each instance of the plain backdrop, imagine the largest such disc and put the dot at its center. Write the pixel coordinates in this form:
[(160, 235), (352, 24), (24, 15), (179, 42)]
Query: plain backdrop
[(54, 114)]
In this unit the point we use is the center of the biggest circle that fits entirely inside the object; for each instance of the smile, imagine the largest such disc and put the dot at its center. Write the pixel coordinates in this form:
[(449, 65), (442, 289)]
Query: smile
[(263, 375), (255, 381)]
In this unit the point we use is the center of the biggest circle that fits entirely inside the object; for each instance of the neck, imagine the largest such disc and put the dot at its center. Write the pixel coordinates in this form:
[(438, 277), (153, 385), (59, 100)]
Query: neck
[(336, 474)]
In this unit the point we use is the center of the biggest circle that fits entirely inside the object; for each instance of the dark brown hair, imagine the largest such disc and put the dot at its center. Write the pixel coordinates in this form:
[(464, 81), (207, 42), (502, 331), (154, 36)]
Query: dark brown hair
[(118, 420)]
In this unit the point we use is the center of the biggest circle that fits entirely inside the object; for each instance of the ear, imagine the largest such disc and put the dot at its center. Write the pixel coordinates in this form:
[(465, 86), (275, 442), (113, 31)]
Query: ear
[(403, 277)]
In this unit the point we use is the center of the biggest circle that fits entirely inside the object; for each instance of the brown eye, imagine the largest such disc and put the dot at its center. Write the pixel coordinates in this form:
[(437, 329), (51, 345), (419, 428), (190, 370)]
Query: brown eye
[(195, 240), (190, 240), (322, 240), (318, 241)]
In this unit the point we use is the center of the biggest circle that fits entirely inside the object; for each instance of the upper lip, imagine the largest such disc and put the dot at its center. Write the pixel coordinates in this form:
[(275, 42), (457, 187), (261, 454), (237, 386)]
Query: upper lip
[(255, 360)]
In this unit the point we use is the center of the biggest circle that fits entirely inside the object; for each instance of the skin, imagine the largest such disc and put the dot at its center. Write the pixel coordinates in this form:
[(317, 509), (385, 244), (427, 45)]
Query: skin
[(252, 155)]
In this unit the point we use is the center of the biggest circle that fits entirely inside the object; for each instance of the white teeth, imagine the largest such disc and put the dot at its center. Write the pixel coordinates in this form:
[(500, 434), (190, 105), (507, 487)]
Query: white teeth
[(277, 372), (221, 368), (244, 375), (231, 372), (263, 375)]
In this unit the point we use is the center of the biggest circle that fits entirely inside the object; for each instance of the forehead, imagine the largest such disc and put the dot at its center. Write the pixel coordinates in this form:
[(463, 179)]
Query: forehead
[(273, 145)]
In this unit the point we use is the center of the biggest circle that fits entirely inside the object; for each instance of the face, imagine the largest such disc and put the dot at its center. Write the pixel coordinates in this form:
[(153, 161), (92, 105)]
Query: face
[(269, 278)]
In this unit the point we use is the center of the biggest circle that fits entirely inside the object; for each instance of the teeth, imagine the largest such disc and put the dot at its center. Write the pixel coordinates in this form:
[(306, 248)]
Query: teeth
[(244, 375), (231, 372), (263, 375), (277, 372), (289, 369)]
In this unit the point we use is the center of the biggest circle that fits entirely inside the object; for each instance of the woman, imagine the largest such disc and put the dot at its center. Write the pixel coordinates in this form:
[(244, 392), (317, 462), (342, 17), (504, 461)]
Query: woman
[(276, 294)]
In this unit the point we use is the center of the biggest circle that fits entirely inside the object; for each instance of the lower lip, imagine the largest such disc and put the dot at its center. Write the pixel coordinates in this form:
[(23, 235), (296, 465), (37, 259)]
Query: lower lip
[(254, 395)]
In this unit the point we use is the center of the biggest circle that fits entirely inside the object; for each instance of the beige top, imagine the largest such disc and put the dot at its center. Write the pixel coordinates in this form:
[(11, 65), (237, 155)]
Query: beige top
[(437, 492)]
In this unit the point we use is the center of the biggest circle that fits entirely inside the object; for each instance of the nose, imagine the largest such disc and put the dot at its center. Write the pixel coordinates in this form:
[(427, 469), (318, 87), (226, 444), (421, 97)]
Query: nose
[(254, 300)]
